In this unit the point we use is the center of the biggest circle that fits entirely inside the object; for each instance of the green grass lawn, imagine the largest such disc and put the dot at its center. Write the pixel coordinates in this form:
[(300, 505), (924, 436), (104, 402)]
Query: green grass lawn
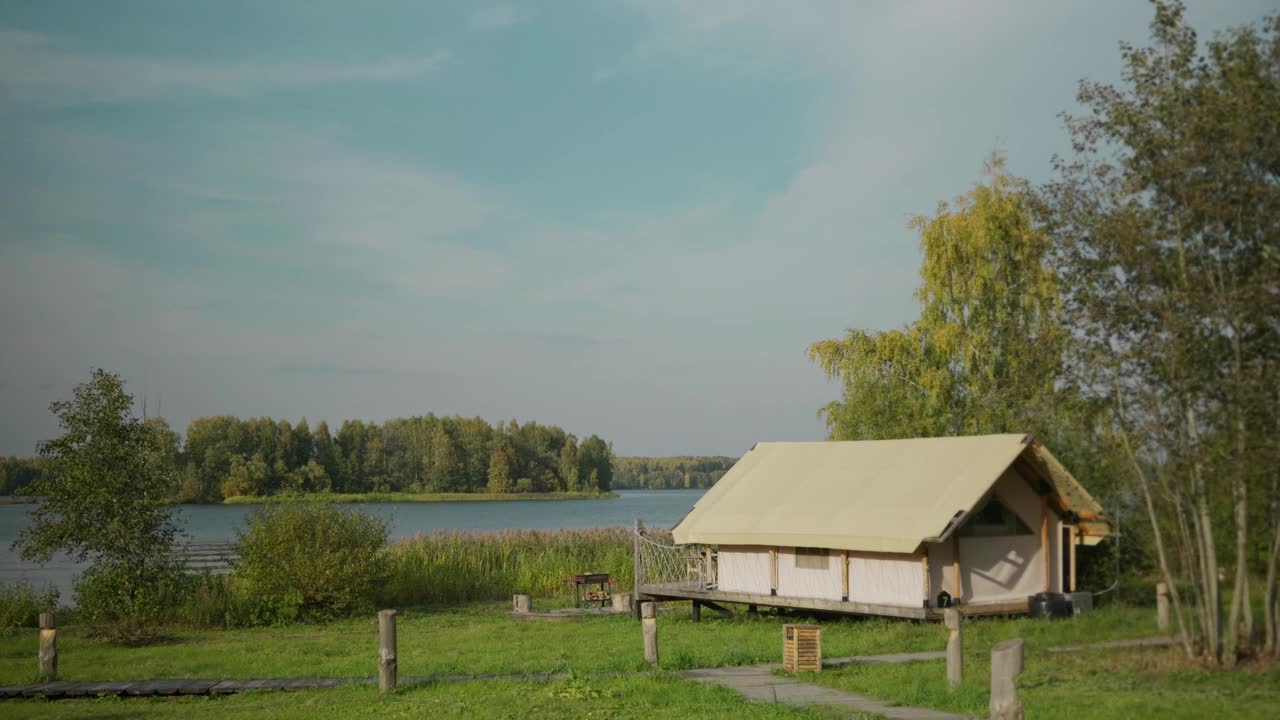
[(482, 639), (649, 697), (1120, 684), (394, 497)]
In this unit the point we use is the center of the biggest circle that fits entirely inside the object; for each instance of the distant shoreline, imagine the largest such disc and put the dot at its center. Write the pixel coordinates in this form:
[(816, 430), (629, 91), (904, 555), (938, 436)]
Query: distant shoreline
[(394, 497)]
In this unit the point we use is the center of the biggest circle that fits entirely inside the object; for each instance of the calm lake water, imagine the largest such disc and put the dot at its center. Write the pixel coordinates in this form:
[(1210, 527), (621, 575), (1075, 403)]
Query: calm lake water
[(218, 523)]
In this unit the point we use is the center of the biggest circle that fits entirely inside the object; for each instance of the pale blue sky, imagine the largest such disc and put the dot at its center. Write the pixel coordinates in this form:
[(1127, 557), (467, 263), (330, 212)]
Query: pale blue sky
[(627, 218)]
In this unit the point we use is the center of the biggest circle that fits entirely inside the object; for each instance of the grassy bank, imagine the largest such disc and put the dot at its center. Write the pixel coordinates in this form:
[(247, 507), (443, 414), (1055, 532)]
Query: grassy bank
[(398, 497)]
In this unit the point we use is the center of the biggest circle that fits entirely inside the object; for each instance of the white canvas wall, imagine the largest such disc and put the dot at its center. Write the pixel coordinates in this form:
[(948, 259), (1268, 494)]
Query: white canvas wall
[(743, 568), (886, 579), (1000, 569), (808, 582)]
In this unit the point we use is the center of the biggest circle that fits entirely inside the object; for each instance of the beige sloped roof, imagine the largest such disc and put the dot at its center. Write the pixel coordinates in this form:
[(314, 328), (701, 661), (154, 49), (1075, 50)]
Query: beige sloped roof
[(873, 495)]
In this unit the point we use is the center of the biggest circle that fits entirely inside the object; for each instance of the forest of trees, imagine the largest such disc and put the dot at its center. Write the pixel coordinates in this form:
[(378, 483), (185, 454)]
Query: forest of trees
[(16, 473), (1127, 313), (226, 456), (669, 473)]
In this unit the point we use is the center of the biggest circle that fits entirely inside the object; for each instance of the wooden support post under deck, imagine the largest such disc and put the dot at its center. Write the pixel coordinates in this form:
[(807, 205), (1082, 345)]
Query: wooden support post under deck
[(844, 574), (955, 565), (697, 611), (1044, 538), (1074, 530), (773, 571), (924, 564)]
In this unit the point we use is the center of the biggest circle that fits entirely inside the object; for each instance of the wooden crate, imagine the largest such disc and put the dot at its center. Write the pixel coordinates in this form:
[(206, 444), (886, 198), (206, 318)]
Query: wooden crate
[(801, 648)]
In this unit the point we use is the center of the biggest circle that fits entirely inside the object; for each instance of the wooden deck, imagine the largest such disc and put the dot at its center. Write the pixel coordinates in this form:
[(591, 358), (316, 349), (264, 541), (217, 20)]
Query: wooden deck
[(685, 591)]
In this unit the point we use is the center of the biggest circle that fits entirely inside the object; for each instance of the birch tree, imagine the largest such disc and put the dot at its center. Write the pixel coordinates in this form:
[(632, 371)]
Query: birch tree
[(984, 353), (1167, 222)]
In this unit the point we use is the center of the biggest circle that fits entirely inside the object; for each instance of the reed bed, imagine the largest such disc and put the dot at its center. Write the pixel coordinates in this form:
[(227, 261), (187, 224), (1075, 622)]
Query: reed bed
[(459, 566)]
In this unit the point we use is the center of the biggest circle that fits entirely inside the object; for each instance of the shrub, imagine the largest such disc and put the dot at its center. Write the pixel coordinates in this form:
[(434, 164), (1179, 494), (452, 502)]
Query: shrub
[(126, 602), (21, 605), (309, 560)]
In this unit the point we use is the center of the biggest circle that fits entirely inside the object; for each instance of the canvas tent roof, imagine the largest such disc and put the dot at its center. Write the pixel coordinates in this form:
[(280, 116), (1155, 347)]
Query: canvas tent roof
[(873, 495)]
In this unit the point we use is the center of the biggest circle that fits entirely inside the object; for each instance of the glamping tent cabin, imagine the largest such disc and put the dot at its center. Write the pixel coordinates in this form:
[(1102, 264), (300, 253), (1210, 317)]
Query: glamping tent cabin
[(882, 528)]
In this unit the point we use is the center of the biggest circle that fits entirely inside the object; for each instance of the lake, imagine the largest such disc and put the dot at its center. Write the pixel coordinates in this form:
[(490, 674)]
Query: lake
[(218, 523)]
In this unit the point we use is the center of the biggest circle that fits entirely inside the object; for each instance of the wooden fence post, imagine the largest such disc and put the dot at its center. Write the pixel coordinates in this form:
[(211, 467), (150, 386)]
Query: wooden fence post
[(386, 650), (1006, 664), (521, 603), (48, 653), (955, 657), (637, 570), (1162, 607), (648, 619)]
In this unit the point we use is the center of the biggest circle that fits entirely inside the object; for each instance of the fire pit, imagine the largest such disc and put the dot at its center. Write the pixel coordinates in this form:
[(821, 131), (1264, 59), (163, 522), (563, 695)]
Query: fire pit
[(592, 587)]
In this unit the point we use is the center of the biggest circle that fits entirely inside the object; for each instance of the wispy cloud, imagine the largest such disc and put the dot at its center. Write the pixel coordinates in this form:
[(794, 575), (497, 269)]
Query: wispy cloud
[(498, 17), (36, 72), (324, 369)]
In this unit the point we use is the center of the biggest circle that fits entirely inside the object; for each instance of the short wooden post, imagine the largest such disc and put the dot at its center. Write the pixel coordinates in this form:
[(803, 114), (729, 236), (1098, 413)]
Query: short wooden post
[(697, 611), (622, 602), (1162, 607), (649, 621), (521, 603), (1006, 664), (955, 654), (386, 650), (48, 647)]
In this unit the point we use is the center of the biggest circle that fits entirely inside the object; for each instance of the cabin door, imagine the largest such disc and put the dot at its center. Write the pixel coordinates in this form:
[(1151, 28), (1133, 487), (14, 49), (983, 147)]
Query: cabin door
[(1067, 557)]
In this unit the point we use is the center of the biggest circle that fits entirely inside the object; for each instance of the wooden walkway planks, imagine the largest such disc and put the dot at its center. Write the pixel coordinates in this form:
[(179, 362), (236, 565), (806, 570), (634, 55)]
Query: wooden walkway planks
[(151, 688)]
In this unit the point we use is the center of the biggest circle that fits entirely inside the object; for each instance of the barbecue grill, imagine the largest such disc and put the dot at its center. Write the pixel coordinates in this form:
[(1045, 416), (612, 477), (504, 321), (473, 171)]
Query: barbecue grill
[(592, 587)]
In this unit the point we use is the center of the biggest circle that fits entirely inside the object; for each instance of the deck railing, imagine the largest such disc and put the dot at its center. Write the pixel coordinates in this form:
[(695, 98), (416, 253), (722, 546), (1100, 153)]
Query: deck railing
[(689, 567)]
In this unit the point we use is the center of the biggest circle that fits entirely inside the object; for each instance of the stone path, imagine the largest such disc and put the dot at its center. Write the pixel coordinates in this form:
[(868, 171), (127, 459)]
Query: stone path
[(758, 683)]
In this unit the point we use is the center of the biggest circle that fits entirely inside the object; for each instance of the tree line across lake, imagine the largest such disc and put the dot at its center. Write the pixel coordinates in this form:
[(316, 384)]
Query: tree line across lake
[(226, 456), (683, 472)]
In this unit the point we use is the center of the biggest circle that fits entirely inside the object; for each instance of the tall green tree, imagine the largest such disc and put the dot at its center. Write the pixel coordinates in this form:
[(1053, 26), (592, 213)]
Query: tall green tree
[(103, 500), (985, 351), (1168, 221), (500, 480)]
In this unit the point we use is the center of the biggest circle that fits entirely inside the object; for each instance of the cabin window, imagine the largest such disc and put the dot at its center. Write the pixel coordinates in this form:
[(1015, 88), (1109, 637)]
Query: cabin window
[(812, 558), (994, 520)]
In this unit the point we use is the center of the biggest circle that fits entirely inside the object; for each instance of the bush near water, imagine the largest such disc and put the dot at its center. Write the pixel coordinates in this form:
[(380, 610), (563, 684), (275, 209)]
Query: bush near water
[(317, 562)]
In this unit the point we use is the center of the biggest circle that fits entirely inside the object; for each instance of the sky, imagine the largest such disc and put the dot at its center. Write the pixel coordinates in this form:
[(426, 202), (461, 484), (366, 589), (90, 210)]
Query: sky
[(623, 217)]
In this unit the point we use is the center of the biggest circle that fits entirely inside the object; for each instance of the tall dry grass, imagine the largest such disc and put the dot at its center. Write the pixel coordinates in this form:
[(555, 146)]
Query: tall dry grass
[(452, 566)]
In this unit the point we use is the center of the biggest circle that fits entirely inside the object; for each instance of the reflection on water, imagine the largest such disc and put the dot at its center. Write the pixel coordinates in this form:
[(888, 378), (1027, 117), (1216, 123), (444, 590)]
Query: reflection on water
[(219, 523)]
